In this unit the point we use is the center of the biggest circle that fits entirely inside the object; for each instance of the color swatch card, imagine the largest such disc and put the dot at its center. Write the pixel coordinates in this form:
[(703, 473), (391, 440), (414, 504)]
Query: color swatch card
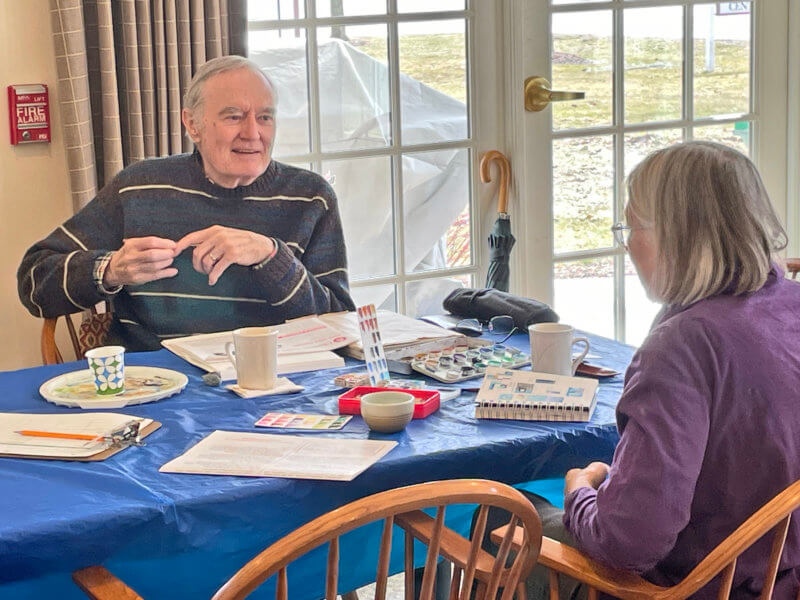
[(377, 367), (295, 421)]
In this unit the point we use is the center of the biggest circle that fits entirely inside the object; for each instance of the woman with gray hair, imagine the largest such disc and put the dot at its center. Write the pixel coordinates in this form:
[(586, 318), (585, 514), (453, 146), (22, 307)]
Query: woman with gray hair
[(708, 417)]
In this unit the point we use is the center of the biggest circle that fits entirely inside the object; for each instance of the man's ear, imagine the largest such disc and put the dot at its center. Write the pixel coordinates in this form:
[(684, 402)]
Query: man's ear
[(192, 125)]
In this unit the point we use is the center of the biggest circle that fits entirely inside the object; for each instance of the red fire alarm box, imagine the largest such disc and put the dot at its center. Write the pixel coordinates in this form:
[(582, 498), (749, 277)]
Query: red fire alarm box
[(29, 113)]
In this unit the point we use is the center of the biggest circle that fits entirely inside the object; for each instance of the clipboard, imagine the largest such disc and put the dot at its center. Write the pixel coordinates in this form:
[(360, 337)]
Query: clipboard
[(102, 455), (103, 452)]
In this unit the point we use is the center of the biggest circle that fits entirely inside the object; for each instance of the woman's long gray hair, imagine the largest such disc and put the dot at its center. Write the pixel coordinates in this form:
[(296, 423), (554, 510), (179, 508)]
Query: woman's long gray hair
[(715, 228)]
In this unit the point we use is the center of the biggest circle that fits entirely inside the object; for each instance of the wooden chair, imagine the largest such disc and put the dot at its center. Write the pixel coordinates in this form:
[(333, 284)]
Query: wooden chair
[(793, 267), (473, 568), (91, 333), (773, 516)]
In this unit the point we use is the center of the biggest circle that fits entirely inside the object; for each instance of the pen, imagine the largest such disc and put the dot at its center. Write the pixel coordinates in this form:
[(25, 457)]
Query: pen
[(66, 436)]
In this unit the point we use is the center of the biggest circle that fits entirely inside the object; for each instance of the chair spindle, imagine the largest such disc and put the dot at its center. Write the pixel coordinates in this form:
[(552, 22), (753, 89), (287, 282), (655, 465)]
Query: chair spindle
[(383, 559), (332, 577)]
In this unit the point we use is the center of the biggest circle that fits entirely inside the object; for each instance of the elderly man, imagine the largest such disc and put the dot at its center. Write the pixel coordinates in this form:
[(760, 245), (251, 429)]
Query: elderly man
[(221, 238)]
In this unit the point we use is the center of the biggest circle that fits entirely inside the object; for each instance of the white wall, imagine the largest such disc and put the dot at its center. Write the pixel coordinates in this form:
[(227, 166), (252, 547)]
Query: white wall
[(34, 186)]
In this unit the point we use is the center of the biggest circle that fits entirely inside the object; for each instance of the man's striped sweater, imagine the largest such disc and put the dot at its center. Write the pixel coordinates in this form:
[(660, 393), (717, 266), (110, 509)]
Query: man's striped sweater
[(170, 197)]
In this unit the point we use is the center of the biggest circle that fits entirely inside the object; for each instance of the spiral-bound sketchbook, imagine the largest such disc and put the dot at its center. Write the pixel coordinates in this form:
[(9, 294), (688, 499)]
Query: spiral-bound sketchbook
[(531, 396)]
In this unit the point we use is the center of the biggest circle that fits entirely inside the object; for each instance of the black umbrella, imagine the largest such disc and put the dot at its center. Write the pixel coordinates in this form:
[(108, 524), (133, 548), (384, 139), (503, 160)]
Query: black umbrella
[(501, 241)]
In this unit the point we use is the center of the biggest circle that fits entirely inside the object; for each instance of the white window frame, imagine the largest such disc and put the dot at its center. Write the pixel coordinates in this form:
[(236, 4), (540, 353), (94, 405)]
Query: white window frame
[(483, 113), (526, 54)]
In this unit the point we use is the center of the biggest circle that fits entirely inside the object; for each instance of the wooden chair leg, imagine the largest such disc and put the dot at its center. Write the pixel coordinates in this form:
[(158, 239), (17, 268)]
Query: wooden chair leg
[(350, 595), (521, 593), (553, 577)]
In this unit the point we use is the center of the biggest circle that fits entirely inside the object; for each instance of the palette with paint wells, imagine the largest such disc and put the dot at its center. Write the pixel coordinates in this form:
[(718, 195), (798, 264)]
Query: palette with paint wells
[(462, 362)]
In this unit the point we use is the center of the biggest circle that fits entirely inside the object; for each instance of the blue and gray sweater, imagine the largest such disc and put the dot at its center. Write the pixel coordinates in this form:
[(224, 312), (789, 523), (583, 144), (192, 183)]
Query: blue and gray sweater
[(170, 197)]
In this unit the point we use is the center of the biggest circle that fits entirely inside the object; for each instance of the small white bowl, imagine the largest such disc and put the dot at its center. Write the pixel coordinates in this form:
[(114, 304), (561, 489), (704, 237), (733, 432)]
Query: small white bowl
[(387, 412)]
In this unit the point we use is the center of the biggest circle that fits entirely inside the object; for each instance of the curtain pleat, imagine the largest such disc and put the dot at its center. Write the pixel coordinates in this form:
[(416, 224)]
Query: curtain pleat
[(198, 33), (173, 79), (146, 75), (123, 67), (184, 59), (134, 132)]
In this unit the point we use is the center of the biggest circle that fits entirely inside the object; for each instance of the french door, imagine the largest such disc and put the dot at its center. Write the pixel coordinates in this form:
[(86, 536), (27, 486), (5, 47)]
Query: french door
[(393, 102), (654, 72)]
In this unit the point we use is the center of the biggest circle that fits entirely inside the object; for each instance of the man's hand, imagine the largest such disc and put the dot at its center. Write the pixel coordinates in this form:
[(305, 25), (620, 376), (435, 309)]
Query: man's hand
[(140, 260), (218, 247), (590, 476)]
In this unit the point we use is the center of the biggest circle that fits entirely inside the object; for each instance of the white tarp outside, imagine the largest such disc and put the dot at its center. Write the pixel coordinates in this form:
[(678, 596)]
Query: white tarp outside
[(355, 111)]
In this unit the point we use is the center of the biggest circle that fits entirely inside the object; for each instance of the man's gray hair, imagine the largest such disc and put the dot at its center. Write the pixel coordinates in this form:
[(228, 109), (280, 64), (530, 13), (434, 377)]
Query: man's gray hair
[(193, 99), (715, 228)]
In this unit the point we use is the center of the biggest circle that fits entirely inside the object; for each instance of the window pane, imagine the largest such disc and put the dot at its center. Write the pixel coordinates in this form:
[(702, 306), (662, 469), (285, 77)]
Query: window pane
[(721, 62), (639, 145), (282, 55), (338, 8), (363, 188), (582, 61), (576, 1), (384, 297), (584, 294), (653, 63), (436, 207), (433, 81), (405, 6), (425, 297), (639, 309), (267, 10), (354, 88), (736, 135), (583, 193)]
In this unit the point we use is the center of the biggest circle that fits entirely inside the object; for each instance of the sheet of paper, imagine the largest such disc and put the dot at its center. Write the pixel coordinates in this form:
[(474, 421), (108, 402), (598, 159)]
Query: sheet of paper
[(207, 351), (298, 336), (298, 421), (396, 329), (268, 455), (87, 423)]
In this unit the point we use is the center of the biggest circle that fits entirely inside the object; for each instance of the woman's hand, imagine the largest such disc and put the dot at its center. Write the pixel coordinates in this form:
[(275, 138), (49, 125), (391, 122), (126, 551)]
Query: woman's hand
[(590, 476)]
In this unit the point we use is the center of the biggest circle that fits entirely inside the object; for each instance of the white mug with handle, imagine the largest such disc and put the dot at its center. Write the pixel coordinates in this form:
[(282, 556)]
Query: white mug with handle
[(254, 353), (551, 348)]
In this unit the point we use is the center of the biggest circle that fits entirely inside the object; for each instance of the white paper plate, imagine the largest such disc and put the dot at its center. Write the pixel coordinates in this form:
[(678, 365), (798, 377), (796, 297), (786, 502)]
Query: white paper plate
[(142, 384)]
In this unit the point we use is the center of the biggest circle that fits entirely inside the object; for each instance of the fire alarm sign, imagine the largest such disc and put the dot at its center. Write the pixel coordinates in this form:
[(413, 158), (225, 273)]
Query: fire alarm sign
[(29, 113)]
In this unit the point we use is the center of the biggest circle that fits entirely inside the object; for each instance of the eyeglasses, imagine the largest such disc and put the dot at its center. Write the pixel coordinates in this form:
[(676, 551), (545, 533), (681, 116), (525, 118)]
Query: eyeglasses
[(499, 325), (622, 233)]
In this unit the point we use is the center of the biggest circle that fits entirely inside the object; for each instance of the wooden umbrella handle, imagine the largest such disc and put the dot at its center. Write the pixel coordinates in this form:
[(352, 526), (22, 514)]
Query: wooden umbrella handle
[(505, 176)]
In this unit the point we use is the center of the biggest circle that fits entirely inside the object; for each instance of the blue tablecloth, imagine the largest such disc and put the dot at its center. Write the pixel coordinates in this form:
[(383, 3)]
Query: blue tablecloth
[(168, 532)]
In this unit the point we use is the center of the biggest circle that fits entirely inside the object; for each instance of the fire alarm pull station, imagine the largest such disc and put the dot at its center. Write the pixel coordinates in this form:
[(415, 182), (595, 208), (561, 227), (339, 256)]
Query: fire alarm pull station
[(29, 113)]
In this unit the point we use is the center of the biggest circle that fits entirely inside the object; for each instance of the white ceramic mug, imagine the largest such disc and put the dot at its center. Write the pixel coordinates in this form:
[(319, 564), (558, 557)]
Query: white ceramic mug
[(551, 348), (254, 353)]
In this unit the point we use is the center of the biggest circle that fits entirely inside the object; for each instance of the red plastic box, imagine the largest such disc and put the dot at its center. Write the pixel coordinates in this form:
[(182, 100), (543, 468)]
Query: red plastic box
[(425, 401)]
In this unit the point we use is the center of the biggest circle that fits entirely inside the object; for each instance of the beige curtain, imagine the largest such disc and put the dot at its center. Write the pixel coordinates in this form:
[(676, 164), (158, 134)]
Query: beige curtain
[(123, 66)]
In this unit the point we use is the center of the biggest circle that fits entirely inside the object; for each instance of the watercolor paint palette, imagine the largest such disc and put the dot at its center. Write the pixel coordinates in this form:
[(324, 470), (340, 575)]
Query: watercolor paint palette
[(297, 421), (461, 363)]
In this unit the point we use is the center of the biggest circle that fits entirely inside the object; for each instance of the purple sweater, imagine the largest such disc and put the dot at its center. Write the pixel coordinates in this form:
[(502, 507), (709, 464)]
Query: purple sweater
[(709, 426)]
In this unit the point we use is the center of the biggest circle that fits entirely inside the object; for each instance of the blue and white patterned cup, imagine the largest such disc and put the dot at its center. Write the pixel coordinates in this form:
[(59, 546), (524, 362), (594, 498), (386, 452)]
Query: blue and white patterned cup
[(107, 365)]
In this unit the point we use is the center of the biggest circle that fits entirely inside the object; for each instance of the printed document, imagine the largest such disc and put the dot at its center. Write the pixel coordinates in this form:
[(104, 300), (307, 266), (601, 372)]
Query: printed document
[(290, 456), (304, 344)]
